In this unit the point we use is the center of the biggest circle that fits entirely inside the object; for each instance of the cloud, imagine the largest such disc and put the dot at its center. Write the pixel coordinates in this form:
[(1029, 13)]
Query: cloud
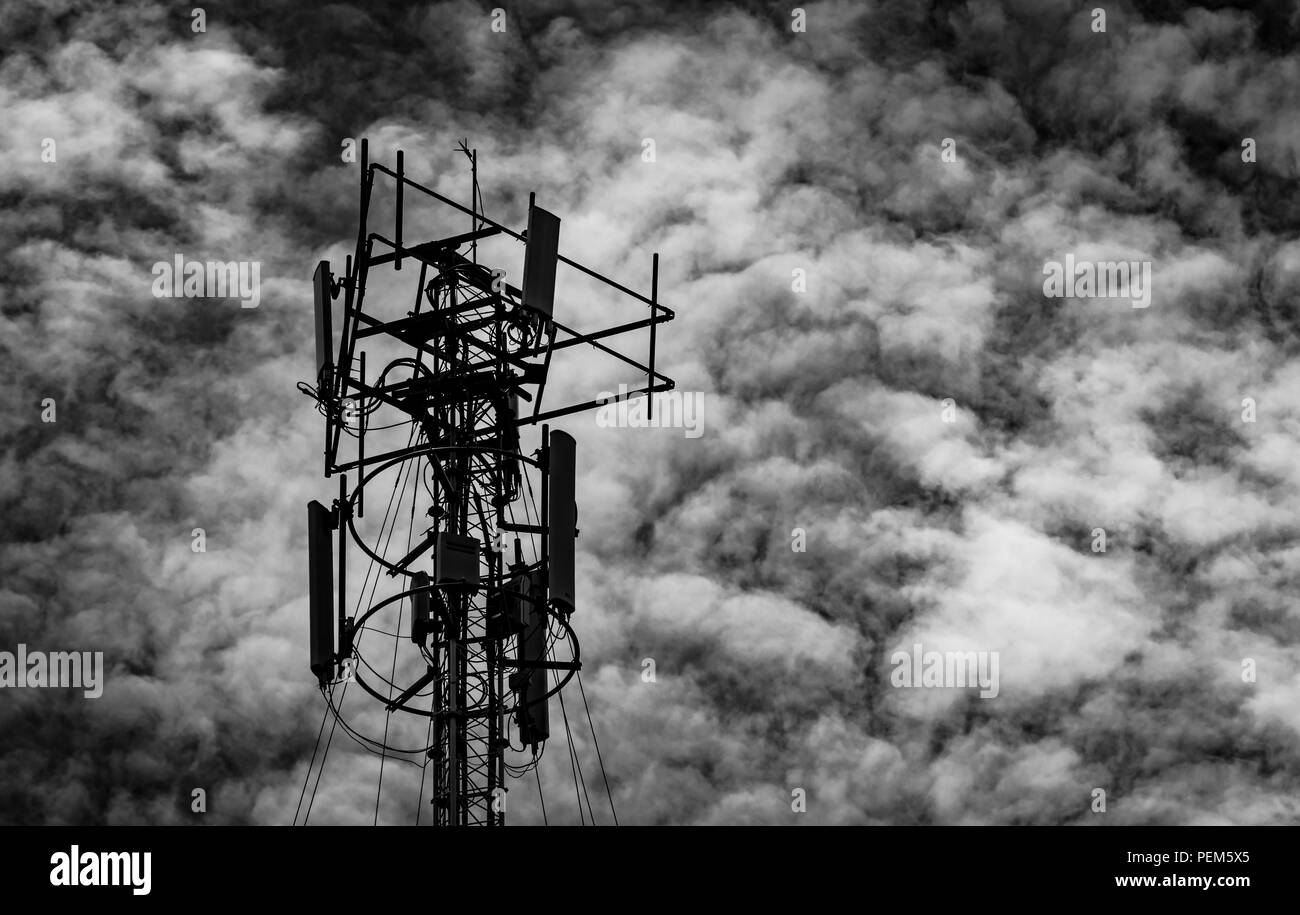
[(776, 151)]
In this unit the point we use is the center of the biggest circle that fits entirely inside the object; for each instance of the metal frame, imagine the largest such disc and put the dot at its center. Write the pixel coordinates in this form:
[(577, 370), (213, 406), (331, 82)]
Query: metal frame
[(433, 254), (465, 367)]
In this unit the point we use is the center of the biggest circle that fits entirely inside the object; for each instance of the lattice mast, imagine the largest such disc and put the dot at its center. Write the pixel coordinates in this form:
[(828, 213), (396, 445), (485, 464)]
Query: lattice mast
[(488, 597)]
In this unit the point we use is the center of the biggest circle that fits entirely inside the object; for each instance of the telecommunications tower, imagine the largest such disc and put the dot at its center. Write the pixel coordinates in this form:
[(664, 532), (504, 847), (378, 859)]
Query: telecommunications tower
[(432, 400)]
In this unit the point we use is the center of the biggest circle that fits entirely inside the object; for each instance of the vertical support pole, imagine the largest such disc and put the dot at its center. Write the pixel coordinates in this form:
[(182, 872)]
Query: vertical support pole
[(454, 724), (654, 318), (327, 397), (397, 228), (501, 727), (473, 158), (356, 292), (349, 298), (361, 444), (435, 753), (494, 817), (345, 637), (546, 494), (364, 203)]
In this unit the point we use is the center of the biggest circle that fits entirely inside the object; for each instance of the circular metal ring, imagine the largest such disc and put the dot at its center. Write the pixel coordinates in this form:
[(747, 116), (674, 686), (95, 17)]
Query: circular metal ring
[(352, 498)]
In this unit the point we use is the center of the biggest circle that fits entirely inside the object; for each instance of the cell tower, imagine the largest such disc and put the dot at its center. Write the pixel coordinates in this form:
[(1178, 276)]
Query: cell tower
[(475, 620)]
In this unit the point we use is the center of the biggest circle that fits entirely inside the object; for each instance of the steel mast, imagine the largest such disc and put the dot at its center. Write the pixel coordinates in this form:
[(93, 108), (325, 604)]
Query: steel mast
[(485, 597)]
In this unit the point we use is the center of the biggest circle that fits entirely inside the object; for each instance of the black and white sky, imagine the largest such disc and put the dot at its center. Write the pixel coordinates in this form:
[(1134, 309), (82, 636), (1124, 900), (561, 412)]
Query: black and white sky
[(1164, 670)]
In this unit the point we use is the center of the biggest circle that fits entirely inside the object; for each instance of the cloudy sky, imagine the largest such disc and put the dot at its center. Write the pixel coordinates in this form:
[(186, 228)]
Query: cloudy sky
[(853, 221)]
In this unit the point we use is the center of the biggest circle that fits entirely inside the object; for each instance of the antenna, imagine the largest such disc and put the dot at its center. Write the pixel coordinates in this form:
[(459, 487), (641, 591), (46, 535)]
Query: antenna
[(320, 565), (322, 284), (468, 641), (540, 259), (562, 517)]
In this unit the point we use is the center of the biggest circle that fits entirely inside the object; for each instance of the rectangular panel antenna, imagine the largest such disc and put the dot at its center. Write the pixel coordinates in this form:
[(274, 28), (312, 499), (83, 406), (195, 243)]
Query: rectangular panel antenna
[(540, 255), (323, 282), (320, 561), (533, 717), (562, 522)]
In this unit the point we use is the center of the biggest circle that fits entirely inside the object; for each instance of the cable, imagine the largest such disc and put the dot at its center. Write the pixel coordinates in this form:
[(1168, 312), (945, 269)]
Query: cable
[(394, 752), (329, 698), (325, 757), (541, 797), (383, 524), (379, 676), (419, 798), (404, 473), (401, 604), (363, 741), (579, 779), (307, 777), (597, 743), (574, 765)]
